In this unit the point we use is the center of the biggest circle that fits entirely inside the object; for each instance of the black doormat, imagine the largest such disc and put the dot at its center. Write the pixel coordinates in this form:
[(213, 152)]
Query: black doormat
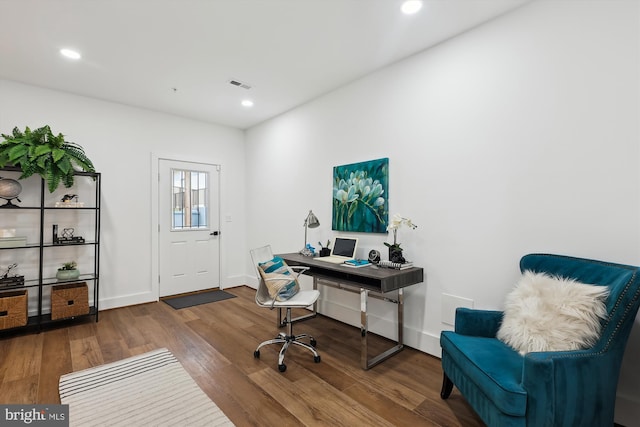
[(197, 299)]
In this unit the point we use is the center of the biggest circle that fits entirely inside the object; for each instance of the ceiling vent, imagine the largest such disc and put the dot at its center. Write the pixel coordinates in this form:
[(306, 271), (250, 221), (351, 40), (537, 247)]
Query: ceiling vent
[(240, 84)]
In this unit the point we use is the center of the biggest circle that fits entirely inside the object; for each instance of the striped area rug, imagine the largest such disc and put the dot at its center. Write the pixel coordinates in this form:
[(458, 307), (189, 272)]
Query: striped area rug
[(151, 389)]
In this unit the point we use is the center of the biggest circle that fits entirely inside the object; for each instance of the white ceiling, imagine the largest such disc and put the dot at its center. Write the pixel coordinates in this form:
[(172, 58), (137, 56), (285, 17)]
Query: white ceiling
[(136, 52)]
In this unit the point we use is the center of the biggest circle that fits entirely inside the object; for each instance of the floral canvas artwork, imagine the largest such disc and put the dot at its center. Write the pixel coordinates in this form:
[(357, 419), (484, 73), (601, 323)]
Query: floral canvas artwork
[(360, 196)]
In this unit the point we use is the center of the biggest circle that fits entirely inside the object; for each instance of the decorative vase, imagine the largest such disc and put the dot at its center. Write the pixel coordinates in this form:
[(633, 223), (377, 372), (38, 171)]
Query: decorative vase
[(9, 190), (395, 254), (67, 274)]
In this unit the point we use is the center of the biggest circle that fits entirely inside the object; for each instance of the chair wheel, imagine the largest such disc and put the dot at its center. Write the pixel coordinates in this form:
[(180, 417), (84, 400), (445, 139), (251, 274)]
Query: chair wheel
[(316, 359), (282, 367), (313, 342), (256, 354)]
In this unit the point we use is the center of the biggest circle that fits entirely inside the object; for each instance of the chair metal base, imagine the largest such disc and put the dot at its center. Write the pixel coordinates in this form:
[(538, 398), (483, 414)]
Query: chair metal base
[(286, 340)]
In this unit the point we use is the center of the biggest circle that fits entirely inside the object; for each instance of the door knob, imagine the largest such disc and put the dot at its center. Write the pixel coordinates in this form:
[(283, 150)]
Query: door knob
[(214, 233)]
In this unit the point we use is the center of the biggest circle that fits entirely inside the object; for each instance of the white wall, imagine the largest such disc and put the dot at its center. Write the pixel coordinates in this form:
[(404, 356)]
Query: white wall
[(120, 141), (519, 136)]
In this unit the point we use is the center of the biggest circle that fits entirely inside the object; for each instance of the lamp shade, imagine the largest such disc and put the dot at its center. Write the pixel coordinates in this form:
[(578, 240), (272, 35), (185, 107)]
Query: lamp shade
[(312, 220)]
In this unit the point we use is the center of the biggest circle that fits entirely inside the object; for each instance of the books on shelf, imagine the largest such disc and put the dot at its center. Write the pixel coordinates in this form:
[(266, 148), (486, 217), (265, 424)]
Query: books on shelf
[(395, 265), (7, 232), (68, 240), (69, 204), (11, 282), (13, 242)]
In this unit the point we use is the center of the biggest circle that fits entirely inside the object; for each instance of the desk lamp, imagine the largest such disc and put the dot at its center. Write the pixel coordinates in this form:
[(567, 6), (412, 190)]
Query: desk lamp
[(310, 222)]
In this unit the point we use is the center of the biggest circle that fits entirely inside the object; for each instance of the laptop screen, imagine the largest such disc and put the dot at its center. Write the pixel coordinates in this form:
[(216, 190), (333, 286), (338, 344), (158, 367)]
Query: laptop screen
[(345, 246)]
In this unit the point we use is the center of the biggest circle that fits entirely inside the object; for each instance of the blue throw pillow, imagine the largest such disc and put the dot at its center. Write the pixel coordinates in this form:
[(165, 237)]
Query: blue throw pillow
[(278, 279)]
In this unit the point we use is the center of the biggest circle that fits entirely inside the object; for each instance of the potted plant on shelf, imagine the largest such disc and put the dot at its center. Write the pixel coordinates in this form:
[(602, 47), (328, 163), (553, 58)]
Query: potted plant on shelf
[(395, 251), (68, 271), (43, 153)]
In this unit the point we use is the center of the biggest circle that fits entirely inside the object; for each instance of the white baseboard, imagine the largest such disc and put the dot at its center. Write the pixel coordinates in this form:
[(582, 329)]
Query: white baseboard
[(151, 296), (627, 410), (414, 338), (347, 313), (233, 281), (125, 300)]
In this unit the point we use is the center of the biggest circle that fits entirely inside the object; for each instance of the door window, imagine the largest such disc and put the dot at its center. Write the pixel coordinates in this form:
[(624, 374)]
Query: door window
[(189, 198)]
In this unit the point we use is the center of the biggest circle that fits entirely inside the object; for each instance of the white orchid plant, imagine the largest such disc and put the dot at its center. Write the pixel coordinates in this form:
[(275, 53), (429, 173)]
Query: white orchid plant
[(397, 222)]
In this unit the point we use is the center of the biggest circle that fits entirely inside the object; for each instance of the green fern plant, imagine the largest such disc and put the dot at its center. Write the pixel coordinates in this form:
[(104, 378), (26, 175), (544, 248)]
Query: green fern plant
[(71, 265), (43, 153)]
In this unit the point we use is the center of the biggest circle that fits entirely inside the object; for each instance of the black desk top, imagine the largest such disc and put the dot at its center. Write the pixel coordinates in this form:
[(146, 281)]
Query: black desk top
[(370, 277)]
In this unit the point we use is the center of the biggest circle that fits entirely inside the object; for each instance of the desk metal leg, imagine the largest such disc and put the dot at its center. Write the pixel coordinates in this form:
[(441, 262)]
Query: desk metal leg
[(400, 317), (364, 328), (367, 363), (280, 322)]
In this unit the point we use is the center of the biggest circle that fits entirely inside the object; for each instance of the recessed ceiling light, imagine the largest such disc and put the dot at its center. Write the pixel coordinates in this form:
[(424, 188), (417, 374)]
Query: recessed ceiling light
[(410, 7), (247, 103), (69, 53)]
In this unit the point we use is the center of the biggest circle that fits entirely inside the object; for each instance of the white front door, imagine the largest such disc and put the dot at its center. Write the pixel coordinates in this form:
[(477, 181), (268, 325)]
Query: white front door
[(188, 220)]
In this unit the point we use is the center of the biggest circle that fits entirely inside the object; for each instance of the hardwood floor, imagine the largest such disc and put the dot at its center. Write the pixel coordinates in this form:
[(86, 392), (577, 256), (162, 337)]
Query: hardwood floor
[(215, 343)]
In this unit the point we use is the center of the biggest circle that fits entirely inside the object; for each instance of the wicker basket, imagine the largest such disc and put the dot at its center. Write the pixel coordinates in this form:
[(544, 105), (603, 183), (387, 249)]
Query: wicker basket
[(69, 300), (13, 309)]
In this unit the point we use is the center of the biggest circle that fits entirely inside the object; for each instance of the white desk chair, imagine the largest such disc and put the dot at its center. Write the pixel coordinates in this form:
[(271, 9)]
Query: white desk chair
[(300, 300)]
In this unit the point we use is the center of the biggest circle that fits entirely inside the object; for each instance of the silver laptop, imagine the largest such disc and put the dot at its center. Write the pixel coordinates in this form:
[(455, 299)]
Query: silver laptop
[(343, 249)]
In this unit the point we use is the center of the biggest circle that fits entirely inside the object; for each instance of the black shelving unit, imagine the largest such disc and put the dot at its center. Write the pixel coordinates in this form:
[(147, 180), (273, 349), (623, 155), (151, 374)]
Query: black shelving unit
[(46, 249)]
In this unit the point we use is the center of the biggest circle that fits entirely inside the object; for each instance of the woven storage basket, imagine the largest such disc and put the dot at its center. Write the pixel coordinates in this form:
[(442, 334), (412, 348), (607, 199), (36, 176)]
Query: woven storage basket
[(69, 300), (13, 309)]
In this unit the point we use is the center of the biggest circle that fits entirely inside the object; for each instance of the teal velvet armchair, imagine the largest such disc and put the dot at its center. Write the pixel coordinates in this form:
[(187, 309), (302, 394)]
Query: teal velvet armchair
[(543, 389)]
